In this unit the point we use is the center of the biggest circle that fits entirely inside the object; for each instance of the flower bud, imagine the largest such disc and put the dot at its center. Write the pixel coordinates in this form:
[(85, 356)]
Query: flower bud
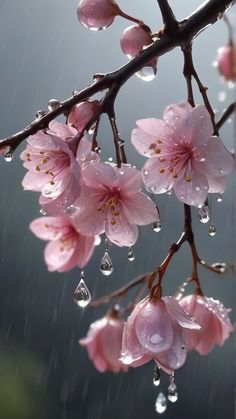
[(97, 14), (82, 113), (226, 60)]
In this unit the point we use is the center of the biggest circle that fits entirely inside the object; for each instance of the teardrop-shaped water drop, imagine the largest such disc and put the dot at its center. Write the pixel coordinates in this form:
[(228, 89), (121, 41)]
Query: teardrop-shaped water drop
[(203, 214), (219, 198), (161, 403), (156, 376), (53, 104), (131, 255), (157, 226), (98, 150), (106, 266), (8, 155), (82, 296), (172, 392), (146, 73), (212, 230)]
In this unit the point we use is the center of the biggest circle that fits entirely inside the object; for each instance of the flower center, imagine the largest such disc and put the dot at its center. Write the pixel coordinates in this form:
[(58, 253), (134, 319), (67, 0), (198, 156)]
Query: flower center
[(110, 204)]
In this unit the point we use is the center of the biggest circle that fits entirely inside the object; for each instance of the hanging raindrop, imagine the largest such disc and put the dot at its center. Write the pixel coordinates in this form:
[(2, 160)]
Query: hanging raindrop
[(157, 226), (53, 104), (8, 155), (131, 255), (82, 296), (203, 214), (161, 403), (219, 198), (212, 230), (172, 391), (156, 376), (106, 266), (43, 212), (98, 150), (221, 267), (147, 73)]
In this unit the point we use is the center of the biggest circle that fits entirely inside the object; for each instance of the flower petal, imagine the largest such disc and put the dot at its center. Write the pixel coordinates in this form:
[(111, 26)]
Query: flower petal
[(140, 209)]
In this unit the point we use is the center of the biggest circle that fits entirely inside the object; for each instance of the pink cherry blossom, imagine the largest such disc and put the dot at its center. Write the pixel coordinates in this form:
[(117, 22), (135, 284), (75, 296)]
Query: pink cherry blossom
[(134, 39), (226, 60), (103, 343), (182, 154), (52, 168), (82, 113), (97, 14), (213, 319), (66, 248), (157, 330), (111, 202)]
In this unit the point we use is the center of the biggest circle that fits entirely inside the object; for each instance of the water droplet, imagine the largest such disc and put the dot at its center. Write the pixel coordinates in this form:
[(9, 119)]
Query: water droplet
[(98, 150), (71, 210), (53, 104), (110, 159), (43, 212), (219, 198), (75, 92), (145, 172), (221, 267), (215, 64), (106, 266), (169, 192), (82, 296), (197, 188), (161, 403), (146, 73), (131, 255), (203, 214), (157, 226), (172, 392), (40, 114), (156, 376), (8, 155), (212, 230), (97, 241), (222, 96)]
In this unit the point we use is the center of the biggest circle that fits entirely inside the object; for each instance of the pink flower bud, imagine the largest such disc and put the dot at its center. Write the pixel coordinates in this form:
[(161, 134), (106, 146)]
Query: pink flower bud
[(227, 62), (82, 113), (103, 343), (97, 14), (133, 40)]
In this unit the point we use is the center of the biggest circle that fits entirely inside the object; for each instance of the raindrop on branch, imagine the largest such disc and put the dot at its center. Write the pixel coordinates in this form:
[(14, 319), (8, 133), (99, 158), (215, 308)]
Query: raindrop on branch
[(221, 267), (161, 403), (82, 296), (8, 155), (53, 104)]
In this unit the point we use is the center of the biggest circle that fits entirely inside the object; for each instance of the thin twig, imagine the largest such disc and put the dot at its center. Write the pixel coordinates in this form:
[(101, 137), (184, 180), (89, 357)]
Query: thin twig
[(231, 109), (171, 25)]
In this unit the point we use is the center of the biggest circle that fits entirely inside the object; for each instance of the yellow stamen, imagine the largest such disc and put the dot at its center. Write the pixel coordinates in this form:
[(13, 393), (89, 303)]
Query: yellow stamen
[(162, 170), (187, 179)]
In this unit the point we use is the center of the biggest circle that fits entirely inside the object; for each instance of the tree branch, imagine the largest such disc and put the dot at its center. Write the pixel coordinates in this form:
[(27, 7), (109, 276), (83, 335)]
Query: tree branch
[(171, 25), (187, 30), (231, 109)]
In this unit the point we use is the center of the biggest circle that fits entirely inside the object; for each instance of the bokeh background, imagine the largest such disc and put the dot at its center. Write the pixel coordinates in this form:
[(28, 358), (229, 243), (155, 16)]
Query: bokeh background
[(45, 53)]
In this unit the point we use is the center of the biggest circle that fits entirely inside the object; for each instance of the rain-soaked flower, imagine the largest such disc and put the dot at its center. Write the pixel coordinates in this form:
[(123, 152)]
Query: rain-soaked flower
[(111, 202), (97, 14), (157, 329), (66, 248), (214, 321), (52, 168), (103, 343), (182, 154), (82, 113)]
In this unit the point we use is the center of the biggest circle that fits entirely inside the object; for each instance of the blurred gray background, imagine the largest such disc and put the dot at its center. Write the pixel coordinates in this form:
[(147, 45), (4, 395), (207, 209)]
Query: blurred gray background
[(45, 53)]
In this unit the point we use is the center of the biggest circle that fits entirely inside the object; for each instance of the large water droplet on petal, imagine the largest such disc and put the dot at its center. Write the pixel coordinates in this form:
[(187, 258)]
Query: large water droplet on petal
[(131, 255), (106, 266), (161, 403), (82, 296)]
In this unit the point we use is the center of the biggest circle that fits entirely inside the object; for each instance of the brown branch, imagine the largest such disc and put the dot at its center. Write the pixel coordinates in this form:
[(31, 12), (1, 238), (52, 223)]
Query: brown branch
[(171, 25), (121, 291), (187, 71), (231, 109), (187, 30)]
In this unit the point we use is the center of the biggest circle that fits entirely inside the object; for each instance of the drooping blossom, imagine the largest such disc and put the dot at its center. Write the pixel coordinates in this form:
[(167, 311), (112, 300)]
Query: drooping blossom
[(214, 321), (111, 202), (103, 343), (66, 248), (82, 113), (157, 330), (226, 60), (134, 39), (52, 168), (182, 154), (97, 14)]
